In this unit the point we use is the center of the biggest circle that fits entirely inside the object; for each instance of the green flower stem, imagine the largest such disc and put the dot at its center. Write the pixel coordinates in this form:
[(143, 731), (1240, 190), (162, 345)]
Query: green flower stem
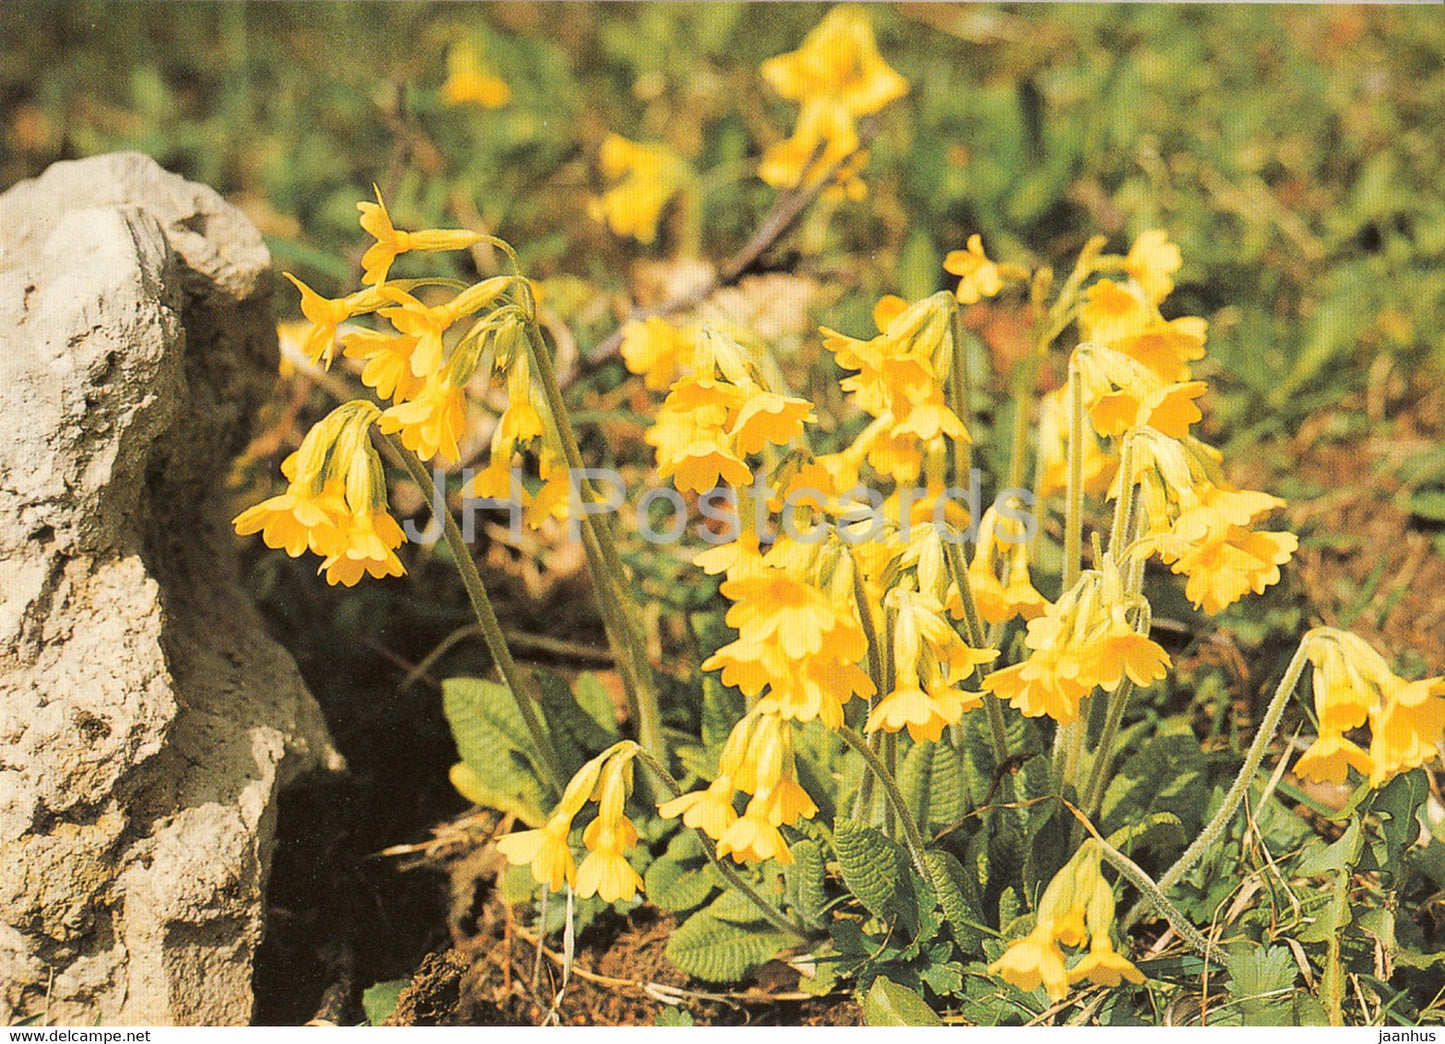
[(608, 575), (771, 913), (1211, 833), (1153, 894), (895, 796), (1120, 535), (1104, 753), (522, 685), (960, 399), (973, 625), (864, 800)]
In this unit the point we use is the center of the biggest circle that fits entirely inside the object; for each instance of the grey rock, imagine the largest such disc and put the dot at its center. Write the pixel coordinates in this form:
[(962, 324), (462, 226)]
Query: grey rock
[(147, 722)]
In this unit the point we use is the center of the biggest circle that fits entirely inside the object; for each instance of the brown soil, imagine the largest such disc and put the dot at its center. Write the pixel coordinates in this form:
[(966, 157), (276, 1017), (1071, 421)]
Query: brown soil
[(619, 975)]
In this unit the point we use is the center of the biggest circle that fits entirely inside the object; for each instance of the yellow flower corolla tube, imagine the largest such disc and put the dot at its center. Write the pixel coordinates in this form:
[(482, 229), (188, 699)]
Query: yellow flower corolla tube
[(1076, 908), (757, 759), (546, 848), (605, 872), (428, 323), (930, 662), (431, 422), (999, 573), (391, 241), (1353, 686), (1053, 450), (469, 82), (648, 176)]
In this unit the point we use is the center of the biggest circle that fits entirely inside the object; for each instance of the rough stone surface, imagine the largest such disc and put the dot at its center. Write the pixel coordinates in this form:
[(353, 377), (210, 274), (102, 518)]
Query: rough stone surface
[(146, 720)]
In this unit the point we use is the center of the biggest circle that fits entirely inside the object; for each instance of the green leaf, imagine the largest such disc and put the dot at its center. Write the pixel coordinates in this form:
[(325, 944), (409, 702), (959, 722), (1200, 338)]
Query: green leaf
[(575, 733), (804, 876), (722, 708), (379, 1001), (670, 1016), (472, 787), (870, 865), (1261, 982), (676, 886), (958, 897), (718, 951), (933, 785), (889, 1004), (493, 742)]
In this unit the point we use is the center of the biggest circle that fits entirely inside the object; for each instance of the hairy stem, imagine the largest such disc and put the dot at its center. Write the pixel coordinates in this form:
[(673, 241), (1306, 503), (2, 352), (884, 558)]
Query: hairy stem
[(911, 833), (1235, 796), (608, 575), (521, 684)]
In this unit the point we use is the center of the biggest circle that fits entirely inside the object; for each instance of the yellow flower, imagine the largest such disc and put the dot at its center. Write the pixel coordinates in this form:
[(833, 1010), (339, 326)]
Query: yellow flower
[(547, 851), (767, 417), (1329, 757), (299, 519), (326, 314), (1152, 260), (1034, 961), (753, 837), (469, 81), (431, 422), (1408, 729), (387, 366), (605, 872), (1122, 394), (656, 350), (710, 810), (1166, 347), (391, 241), (999, 599), (1103, 967), (648, 175), (838, 60), (365, 547), (1113, 311), (978, 276)]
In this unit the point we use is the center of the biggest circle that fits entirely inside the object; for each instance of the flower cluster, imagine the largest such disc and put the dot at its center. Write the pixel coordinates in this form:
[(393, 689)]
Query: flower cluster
[(335, 502), (1200, 526), (1083, 641), (1353, 686), (836, 76), (1076, 909), (605, 872), (757, 759), (334, 505)]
